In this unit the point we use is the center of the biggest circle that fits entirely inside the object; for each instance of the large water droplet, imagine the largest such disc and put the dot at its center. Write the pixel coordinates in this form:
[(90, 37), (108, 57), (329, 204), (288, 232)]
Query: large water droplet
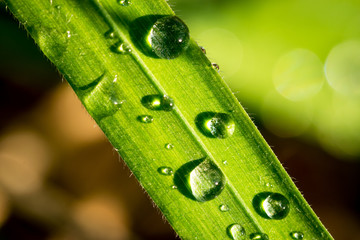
[(165, 171), (271, 205), (145, 119), (169, 37), (215, 125), (259, 236), (224, 208), (200, 180), (236, 231), (297, 235), (124, 3), (158, 102), (122, 48)]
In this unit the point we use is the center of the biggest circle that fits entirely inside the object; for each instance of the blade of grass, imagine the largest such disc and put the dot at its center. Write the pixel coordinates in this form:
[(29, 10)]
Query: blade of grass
[(79, 38)]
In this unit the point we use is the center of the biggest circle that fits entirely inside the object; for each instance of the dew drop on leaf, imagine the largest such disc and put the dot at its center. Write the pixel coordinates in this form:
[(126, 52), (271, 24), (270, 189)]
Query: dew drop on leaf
[(215, 66), (169, 37), (110, 34), (259, 236), (165, 171), (124, 3), (297, 235), (271, 205), (122, 48), (215, 125), (200, 180), (145, 119), (236, 231), (169, 146), (158, 102), (224, 208)]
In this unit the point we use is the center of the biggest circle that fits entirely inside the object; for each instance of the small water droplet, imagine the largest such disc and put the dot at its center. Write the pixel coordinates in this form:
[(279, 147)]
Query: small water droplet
[(174, 187), (200, 180), (110, 34), (271, 205), (225, 162), (122, 48), (145, 119), (236, 231), (215, 66), (124, 3), (58, 7), (259, 236), (158, 102), (68, 34), (169, 146), (169, 37), (224, 208), (215, 125), (269, 185), (165, 171), (203, 49), (297, 235)]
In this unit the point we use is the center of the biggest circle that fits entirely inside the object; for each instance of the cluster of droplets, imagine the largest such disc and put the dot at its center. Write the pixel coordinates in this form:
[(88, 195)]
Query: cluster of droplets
[(168, 39)]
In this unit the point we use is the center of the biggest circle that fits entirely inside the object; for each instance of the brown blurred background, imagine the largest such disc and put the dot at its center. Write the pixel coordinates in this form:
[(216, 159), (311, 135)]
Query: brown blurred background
[(61, 179)]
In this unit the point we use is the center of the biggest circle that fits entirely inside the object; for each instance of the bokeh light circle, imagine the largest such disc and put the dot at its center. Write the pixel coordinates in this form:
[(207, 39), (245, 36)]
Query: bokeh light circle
[(298, 75), (343, 68)]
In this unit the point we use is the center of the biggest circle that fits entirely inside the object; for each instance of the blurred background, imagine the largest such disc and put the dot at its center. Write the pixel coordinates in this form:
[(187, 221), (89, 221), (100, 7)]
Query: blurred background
[(294, 66)]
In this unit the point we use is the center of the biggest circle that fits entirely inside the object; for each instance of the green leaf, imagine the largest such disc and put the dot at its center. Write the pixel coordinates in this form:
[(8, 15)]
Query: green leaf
[(173, 120)]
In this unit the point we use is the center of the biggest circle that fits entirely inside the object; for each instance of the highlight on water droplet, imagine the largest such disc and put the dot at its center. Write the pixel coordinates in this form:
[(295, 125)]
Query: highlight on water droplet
[(259, 236), (169, 37), (215, 125), (271, 205), (110, 34), (145, 119), (200, 180), (168, 171), (124, 3), (236, 231), (224, 208), (174, 187), (122, 48), (158, 102), (215, 66), (297, 235), (169, 146)]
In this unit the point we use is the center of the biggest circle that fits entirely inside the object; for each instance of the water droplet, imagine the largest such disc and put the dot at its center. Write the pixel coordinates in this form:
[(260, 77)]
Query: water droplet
[(174, 187), (145, 119), (215, 125), (169, 37), (121, 48), (58, 7), (124, 3), (269, 185), (158, 102), (68, 34), (259, 236), (203, 49), (110, 34), (200, 180), (169, 146), (224, 208), (165, 171), (271, 205), (225, 162), (215, 66), (236, 231), (297, 235)]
